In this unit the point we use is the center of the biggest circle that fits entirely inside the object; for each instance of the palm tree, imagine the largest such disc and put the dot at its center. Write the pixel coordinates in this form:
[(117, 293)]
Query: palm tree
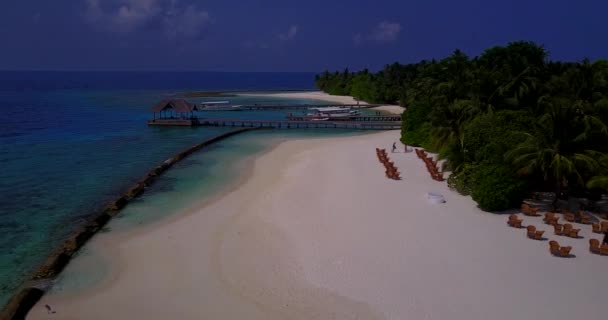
[(558, 147), (600, 181)]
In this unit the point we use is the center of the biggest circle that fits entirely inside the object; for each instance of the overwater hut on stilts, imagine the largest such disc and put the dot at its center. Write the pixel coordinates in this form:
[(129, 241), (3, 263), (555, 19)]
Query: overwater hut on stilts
[(174, 112)]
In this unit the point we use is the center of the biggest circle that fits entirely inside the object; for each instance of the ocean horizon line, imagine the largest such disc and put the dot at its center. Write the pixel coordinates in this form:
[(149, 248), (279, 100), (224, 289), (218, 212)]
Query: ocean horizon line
[(156, 71)]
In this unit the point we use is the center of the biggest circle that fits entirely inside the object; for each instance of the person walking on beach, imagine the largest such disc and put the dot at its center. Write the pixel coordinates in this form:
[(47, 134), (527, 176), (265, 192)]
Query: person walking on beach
[(394, 146)]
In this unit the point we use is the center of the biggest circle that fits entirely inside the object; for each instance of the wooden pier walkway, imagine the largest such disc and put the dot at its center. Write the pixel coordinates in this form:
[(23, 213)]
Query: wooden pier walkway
[(295, 124), (262, 107), (387, 118)]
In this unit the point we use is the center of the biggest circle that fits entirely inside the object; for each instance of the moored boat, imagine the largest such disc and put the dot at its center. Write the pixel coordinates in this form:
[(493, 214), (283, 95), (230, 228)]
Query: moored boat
[(220, 106)]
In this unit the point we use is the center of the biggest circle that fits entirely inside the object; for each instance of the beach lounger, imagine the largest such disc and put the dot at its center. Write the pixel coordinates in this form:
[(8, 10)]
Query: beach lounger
[(533, 234), (564, 252), (554, 247), (594, 246), (558, 229), (585, 218), (604, 225), (573, 233), (596, 228), (514, 221), (558, 250), (550, 218), (604, 249), (529, 211), (569, 217)]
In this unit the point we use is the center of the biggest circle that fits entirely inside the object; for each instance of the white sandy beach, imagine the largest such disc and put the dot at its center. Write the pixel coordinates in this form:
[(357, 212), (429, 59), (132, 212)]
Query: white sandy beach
[(319, 95), (318, 232)]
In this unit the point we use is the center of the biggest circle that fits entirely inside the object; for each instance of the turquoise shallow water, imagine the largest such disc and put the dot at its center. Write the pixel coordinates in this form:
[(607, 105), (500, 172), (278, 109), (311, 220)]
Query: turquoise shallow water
[(66, 152), (189, 183)]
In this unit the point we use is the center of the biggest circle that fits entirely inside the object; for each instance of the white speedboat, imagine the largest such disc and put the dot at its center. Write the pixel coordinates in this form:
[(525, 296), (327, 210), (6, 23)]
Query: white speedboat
[(220, 106), (335, 113)]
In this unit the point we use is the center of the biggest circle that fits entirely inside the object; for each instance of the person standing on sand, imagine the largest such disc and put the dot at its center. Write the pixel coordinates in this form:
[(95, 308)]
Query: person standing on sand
[(394, 146)]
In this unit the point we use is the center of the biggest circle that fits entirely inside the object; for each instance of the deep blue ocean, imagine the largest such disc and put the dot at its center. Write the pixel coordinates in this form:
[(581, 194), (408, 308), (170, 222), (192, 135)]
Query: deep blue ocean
[(71, 141)]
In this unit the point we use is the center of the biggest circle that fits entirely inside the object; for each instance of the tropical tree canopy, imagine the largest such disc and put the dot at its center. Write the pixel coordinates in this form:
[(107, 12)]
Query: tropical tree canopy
[(527, 123)]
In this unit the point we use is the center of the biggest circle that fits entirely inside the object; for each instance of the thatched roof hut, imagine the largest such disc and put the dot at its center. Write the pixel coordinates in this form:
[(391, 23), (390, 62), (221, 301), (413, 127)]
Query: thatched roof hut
[(175, 105)]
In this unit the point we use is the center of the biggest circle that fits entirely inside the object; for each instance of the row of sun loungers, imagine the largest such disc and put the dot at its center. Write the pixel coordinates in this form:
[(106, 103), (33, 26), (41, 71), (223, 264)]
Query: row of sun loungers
[(391, 170), (567, 230), (431, 165), (582, 218)]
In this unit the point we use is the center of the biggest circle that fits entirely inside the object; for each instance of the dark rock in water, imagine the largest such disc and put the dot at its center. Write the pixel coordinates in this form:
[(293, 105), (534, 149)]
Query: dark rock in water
[(52, 265), (119, 203), (20, 305), (135, 190), (102, 219)]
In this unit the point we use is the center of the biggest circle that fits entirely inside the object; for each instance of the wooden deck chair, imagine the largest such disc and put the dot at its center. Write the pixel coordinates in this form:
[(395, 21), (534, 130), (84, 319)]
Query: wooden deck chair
[(534, 212), (529, 211), (554, 247), (604, 249), (550, 218), (514, 221), (538, 235), (604, 225), (569, 217), (585, 218), (517, 224), (531, 230), (594, 246), (553, 221), (565, 251), (559, 229), (596, 228), (573, 233)]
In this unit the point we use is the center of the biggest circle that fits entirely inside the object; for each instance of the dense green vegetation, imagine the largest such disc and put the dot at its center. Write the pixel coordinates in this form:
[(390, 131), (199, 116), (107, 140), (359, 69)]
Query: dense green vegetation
[(507, 122)]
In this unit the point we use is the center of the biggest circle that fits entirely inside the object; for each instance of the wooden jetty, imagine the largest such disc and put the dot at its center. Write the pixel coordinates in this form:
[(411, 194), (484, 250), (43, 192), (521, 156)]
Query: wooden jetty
[(386, 118), (179, 112), (263, 107), (294, 124)]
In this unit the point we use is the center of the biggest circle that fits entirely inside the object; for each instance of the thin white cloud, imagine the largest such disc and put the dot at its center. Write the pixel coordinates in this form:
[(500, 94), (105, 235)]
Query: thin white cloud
[(186, 22), (126, 16), (290, 34), (383, 32)]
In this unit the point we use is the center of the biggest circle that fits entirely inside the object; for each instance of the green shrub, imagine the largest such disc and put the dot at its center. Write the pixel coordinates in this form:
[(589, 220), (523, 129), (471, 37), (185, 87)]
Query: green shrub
[(497, 188), (463, 180), (415, 129)]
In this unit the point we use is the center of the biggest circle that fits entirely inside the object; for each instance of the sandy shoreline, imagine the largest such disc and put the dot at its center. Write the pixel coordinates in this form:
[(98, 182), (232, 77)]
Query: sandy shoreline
[(318, 95), (318, 232)]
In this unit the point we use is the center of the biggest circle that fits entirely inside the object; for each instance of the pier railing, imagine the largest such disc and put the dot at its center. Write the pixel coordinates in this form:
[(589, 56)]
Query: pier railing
[(261, 107), (295, 124)]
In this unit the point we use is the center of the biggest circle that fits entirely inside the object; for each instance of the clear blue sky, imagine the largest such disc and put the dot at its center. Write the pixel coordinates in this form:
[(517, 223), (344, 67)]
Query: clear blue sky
[(286, 35)]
